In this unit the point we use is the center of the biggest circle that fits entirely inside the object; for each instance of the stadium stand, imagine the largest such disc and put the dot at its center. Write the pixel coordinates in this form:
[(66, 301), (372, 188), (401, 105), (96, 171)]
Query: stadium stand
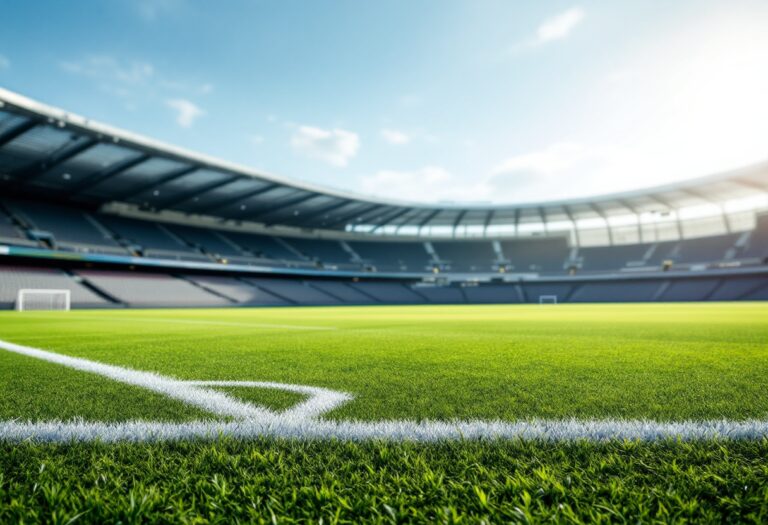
[(690, 290), (758, 240), (441, 294), (759, 294), (293, 291), (467, 256), (323, 251), (262, 246), (342, 291), (662, 252), (611, 258), (13, 279), (705, 249), (736, 288), (238, 291), (122, 220), (388, 292), (492, 293), (616, 292), (151, 240), (70, 228), (533, 291), (536, 255), (10, 234), (393, 256), (206, 241), (138, 289)]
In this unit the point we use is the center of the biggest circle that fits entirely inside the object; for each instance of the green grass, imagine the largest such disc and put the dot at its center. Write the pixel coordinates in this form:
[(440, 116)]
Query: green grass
[(455, 482), (665, 362), (661, 361)]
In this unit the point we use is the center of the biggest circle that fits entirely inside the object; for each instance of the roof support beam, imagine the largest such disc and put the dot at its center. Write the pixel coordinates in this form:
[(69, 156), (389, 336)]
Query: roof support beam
[(428, 218), (631, 208), (710, 200), (229, 201), (671, 209), (285, 204), (360, 212), (194, 192), (487, 221), (405, 223), (107, 173), (175, 174), (38, 169), (391, 218), (605, 219), (457, 221), (16, 131), (543, 216), (325, 209), (569, 214)]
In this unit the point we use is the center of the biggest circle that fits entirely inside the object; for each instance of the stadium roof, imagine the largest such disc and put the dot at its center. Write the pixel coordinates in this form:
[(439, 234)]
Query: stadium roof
[(46, 151)]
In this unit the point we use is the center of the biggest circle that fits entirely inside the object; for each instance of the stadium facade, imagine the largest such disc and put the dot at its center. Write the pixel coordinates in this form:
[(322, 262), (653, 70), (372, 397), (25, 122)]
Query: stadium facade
[(121, 220)]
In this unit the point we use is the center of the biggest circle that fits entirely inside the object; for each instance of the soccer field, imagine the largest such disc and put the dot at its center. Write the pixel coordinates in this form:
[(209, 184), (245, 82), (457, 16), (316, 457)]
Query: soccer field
[(518, 405)]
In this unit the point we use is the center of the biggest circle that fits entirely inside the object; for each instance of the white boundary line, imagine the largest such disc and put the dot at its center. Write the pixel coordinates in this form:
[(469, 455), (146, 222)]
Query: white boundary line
[(427, 431), (303, 421)]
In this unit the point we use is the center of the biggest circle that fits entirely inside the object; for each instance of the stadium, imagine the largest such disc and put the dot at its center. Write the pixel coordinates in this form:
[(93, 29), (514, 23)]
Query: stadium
[(188, 339), (118, 221)]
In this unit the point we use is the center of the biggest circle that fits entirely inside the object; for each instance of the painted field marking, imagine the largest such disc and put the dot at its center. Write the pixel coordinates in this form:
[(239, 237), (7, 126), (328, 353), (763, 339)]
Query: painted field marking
[(209, 400), (303, 420)]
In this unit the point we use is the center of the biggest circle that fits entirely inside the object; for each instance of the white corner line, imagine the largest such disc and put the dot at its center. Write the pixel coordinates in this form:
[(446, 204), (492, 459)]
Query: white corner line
[(209, 400), (303, 420)]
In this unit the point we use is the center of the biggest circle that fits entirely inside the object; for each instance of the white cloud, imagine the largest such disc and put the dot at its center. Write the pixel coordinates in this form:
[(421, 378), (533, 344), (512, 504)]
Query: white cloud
[(256, 140), (107, 68), (335, 146), (551, 159), (559, 26), (553, 171), (4, 62), (186, 112), (394, 136), (430, 183), (186, 87), (134, 81)]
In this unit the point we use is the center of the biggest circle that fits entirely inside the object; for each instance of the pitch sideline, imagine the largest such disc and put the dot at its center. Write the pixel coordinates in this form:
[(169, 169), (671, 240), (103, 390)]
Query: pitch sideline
[(303, 421)]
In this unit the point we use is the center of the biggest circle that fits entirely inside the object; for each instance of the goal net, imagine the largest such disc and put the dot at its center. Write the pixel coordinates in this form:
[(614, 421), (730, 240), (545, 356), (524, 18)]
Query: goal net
[(547, 299), (33, 299)]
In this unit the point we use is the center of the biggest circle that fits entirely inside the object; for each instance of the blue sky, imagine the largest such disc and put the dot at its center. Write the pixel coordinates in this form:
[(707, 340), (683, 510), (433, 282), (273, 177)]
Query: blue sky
[(433, 100)]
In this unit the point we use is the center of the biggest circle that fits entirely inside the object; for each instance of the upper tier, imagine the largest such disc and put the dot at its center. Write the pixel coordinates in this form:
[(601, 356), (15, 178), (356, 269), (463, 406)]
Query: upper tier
[(46, 151)]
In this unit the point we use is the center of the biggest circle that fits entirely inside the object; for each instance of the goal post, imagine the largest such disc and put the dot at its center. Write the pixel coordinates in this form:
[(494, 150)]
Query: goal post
[(547, 299), (37, 299)]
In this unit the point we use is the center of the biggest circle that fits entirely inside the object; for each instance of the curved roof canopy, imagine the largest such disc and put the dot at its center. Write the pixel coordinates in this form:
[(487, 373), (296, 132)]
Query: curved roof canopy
[(47, 151)]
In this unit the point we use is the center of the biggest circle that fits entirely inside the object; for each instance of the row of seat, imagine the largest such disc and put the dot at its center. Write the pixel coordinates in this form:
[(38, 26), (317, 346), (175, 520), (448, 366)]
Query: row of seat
[(100, 289), (75, 229)]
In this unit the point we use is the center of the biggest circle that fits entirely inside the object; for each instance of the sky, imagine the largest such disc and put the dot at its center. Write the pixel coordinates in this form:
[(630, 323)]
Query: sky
[(426, 100)]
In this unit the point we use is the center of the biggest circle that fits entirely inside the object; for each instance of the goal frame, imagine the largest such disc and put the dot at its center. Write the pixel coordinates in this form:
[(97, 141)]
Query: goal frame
[(24, 292), (548, 299)]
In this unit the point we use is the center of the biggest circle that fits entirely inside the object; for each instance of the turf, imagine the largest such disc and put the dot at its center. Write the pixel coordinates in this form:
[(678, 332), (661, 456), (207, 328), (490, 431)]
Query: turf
[(666, 362), (325, 482)]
